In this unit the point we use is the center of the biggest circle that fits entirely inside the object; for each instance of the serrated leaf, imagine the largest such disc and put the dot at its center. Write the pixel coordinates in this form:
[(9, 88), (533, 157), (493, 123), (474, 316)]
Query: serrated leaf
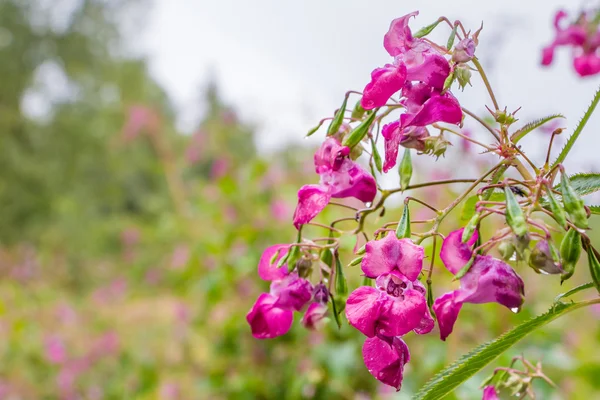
[(469, 364), (573, 138), (524, 130), (584, 183), (595, 209)]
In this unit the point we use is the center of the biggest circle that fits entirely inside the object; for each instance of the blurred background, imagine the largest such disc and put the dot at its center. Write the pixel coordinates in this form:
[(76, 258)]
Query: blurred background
[(149, 152)]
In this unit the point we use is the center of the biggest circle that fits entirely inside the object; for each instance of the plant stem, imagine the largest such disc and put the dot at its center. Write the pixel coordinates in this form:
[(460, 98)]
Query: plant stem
[(485, 81), (482, 122)]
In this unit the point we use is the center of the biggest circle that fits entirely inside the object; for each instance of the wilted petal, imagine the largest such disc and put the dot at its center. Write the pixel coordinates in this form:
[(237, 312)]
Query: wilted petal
[(587, 64), (454, 253), (389, 254), (268, 271), (385, 358), (446, 309), (363, 308), (330, 156), (399, 37), (312, 199), (432, 71), (314, 315), (292, 292), (351, 180), (492, 280), (384, 83), (414, 137), (268, 321), (489, 393), (439, 108), (392, 135)]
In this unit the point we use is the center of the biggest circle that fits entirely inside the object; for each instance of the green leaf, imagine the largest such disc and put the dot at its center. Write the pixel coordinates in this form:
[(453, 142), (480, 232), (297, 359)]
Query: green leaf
[(338, 119), (358, 133), (469, 364), (521, 132), (451, 38), (584, 183), (565, 150), (376, 157), (426, 30), (595, 209)]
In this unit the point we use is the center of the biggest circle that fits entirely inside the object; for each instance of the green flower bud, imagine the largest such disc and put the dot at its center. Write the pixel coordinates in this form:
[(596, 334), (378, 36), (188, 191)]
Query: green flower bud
[(573, 203), (405, 169), (358, 133), (558, 212), (514, 214), (544, 258), (470, 228), (341, 287), (403, 230), (463, 75), (338, 118), (594, 265), (436, 145), (506, 249), (570, 250), (358, 112), (304, 267)]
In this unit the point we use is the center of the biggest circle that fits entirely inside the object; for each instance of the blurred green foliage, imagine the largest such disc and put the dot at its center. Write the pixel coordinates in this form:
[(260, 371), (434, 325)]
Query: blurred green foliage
[(129, 251)]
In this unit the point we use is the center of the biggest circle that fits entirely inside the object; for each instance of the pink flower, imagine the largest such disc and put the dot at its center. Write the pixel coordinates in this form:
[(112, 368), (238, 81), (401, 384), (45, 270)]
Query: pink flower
[(411, 138), (340, 178), (55, 350), (489, 393), (267, 320), (292, 292), (384, 83), (268, 271), (437, 108), (396, 307), (391, 254), (385, 358), (587, 64), (464, 51), (488, 280), (314, 315)]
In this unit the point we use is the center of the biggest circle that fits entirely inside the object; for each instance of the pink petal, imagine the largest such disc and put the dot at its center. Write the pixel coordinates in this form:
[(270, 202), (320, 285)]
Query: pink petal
[(268, 271), (330, 156), (384, 83), (312, 199), (314, 315), (489, 393), (548, 54), (427, 322), (292, 292), (446, 309), (268, 321), (390, 253), (587, 64), (363, 309), (351, 180), (491, 280), (385, 359), (415, 95), (399, 37), (433, 71), (392, 135), (454, 253), (400, 315), (439, 108)]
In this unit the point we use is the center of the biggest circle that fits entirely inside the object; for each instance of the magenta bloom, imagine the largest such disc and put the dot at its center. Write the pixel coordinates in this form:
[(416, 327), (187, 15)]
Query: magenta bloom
[(391, 254), (437, 108), (292, 292), (340, 178), (489, 280), (412, 138), (314, 315), (489, 393), (587, 64), (385, 358), (396, 307), (267, 320), (384, 83), (268, 271)]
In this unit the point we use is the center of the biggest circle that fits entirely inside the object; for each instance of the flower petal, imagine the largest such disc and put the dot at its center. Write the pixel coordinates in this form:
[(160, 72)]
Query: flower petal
[(439, 108), (384, 83), (314, 315), (330, 156), (432, 71), (312, 199), (587, 64), (351, 180), (385, 358), (400, 315), (454, 253), (390, 253), (268, 271), (268, 321), (399, 37), (392, 135), (292, 292), (446, 309), (363, 309), (489, 393)]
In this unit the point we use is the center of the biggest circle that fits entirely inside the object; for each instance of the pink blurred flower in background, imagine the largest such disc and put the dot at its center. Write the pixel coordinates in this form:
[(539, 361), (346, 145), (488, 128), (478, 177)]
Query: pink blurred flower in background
[(140, 118)]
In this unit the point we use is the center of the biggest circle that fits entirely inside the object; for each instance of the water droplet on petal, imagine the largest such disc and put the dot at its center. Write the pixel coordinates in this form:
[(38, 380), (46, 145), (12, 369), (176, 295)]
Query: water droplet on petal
[(368, 204), (515, 309)]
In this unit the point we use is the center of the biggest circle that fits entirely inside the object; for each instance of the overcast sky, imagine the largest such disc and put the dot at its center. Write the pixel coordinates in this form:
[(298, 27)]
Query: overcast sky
[(284, 65)]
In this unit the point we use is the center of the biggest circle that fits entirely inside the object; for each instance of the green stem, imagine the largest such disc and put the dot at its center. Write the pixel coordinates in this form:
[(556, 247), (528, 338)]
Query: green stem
[(486, 81), (482, 122)]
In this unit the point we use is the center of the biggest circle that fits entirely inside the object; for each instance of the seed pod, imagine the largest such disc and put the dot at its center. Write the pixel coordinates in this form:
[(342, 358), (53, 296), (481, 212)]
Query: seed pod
[(341, 287), (304, 267), (426, 30), (594, 265), (338, 118), (356, 261), (358, 112), (405, 170), (376, 157), (358, 133), (514, 214), (573, 203), (506, 250), (557, 210), (403, 230), (543, 258), (470, 228), (570, 250)]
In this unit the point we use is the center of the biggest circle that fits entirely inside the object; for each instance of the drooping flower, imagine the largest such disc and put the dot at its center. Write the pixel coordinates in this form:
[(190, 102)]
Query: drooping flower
[(437, 108), (395, 307), (292, 292), (391, 254), (488, 280), (411, 138), (314, 315), (385, 358), (269, 271), (267, 320), (489, 393), (340, 178)]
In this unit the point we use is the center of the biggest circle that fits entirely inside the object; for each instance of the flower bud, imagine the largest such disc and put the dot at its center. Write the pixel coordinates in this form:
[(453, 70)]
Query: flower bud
[(320, 294), (543, 259), (403, 230), (514, 214), (405, 169), (358, 112), (570, 250), (358, 133), (594, 265), (521, 244), (314, 316), (464, 51), (304, 266), (463, 75), (573, 203), (506, 250), (504, 117), (557, 211), (338, 118), (470, 228), (341, 287), (436, 145), (356, 152)]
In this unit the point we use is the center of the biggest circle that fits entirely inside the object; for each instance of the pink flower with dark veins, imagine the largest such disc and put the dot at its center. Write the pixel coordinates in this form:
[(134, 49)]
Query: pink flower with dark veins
[(391, 254), (488, 280)]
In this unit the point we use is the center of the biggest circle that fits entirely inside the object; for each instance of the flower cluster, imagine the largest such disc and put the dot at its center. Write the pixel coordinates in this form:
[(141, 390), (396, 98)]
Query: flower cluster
[(396, 296), (583, 36)]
